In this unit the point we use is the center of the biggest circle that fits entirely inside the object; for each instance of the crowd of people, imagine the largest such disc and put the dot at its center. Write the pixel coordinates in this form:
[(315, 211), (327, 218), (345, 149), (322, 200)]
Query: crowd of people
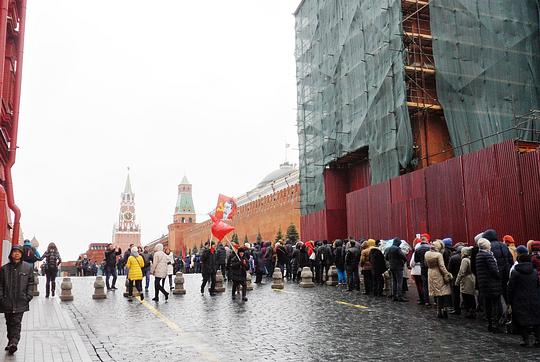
[(491, 278)]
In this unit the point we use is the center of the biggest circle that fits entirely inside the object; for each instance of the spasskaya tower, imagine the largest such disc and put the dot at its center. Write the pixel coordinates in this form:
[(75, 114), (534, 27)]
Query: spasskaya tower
[(127, 231)]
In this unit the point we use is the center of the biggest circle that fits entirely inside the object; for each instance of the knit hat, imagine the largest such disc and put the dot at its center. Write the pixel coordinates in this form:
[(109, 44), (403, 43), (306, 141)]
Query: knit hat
[(447, 242), (158, 247), (484, 244), (508, 239), (467, 250), (134, 251), (522, 250), (426, 235), (247, 245)]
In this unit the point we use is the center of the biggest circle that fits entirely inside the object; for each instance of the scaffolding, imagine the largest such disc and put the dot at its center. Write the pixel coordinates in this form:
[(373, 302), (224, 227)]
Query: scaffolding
[(410, 83)]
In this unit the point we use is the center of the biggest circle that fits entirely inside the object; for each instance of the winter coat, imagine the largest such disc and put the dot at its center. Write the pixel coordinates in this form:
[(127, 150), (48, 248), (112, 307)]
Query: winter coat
[(454, 264), (159, 264), (352, 258), (420, 253), (487, 274), (170, 263), (147, 261), (239, 265), (324, 254), (134, 265), (524, 294), (376, 258), (465, 278), (504, 259), (208, 260), (395, 257), (365, 264), (282, 256), (303, 258), (110, 257), (339, 256), (16, 281), (436, 274), (221, 255), (52, 260)]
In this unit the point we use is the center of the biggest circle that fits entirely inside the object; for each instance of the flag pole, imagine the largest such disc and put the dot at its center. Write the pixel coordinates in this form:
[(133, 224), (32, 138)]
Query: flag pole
[(235, 253)]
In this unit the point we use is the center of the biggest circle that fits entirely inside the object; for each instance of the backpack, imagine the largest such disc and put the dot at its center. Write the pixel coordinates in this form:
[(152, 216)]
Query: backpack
[(29, 254), (52, 261)]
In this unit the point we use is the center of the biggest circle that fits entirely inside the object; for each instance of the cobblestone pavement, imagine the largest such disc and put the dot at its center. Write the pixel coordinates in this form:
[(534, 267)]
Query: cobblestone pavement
[(319, 324)]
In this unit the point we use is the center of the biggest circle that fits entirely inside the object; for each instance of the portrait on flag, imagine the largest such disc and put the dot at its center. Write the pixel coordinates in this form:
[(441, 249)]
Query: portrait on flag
[(226, 208)]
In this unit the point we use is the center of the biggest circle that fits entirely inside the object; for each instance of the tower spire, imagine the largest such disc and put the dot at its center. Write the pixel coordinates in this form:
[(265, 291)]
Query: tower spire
[(127, 188)]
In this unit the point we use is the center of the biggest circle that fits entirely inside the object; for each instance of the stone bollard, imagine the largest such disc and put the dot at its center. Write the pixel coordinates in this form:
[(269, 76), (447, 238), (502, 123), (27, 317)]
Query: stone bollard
[(99, 289), (35, 291), (332, 278), (179, 284), (277, 279), (249, 285), (65, 294), (219, 283), (307, 278), (135, 291)]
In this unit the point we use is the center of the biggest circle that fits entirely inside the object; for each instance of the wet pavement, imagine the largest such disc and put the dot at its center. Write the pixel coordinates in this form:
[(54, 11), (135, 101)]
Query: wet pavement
[(319, 324)]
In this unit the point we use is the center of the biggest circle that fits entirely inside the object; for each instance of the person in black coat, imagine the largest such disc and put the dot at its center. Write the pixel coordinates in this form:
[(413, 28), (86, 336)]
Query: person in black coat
[(282, 258), (289, 250), (352, 259), (378, 267), (453, 267), (16, 281), (208, 267), (302, 259), (489, 284), (502, 256), (239, 265), (397, 259), (524, 298), (221, 259)]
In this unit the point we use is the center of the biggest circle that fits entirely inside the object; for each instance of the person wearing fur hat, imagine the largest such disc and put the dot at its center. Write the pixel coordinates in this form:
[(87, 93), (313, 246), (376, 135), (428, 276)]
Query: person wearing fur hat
[(365, 264), (524, 297), (466, 282), (439, 278), (489, 283), (16, 281), (134, 264), (239, 265)]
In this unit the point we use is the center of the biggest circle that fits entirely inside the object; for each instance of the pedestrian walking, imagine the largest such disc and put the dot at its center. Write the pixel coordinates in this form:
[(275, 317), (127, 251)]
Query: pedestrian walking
[(524, 298), (16, 281), (110, 266), (51, 264), (170, 268), (208, 267), (159, 270), (134, 264), (239, 265)]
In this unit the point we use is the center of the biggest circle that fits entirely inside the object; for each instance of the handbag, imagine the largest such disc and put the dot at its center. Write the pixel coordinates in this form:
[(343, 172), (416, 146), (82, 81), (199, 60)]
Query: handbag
[(448, 278)]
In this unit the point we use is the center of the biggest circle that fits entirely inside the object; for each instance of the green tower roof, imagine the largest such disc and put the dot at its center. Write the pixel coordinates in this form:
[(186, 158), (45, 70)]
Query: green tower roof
[(184, 204)]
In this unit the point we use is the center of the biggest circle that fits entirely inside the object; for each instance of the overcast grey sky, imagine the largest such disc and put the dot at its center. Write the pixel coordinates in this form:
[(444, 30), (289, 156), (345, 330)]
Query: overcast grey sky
[(166, 87)]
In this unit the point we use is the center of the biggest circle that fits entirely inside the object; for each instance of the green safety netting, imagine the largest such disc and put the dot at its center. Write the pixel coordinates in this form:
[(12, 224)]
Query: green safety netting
[(487, 56), (351, 90)]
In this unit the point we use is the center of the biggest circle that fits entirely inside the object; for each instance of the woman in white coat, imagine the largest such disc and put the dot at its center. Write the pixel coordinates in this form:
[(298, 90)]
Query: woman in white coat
[(170, 268), (159, 271)]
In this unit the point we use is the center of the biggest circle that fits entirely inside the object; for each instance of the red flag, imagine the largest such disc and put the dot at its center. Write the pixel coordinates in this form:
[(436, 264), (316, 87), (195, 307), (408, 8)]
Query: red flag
[(220, 229), (226, 208)]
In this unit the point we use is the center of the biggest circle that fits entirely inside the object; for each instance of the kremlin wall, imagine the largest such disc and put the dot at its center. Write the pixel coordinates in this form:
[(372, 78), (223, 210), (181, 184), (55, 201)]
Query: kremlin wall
[(273, 204)]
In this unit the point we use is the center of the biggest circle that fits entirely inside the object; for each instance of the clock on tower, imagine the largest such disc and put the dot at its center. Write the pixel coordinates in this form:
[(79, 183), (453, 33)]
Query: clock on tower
[(126, 231)]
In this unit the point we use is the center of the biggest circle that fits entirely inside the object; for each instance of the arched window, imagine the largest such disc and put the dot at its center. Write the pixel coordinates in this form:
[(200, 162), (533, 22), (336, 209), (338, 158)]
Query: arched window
[(183, 220)]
